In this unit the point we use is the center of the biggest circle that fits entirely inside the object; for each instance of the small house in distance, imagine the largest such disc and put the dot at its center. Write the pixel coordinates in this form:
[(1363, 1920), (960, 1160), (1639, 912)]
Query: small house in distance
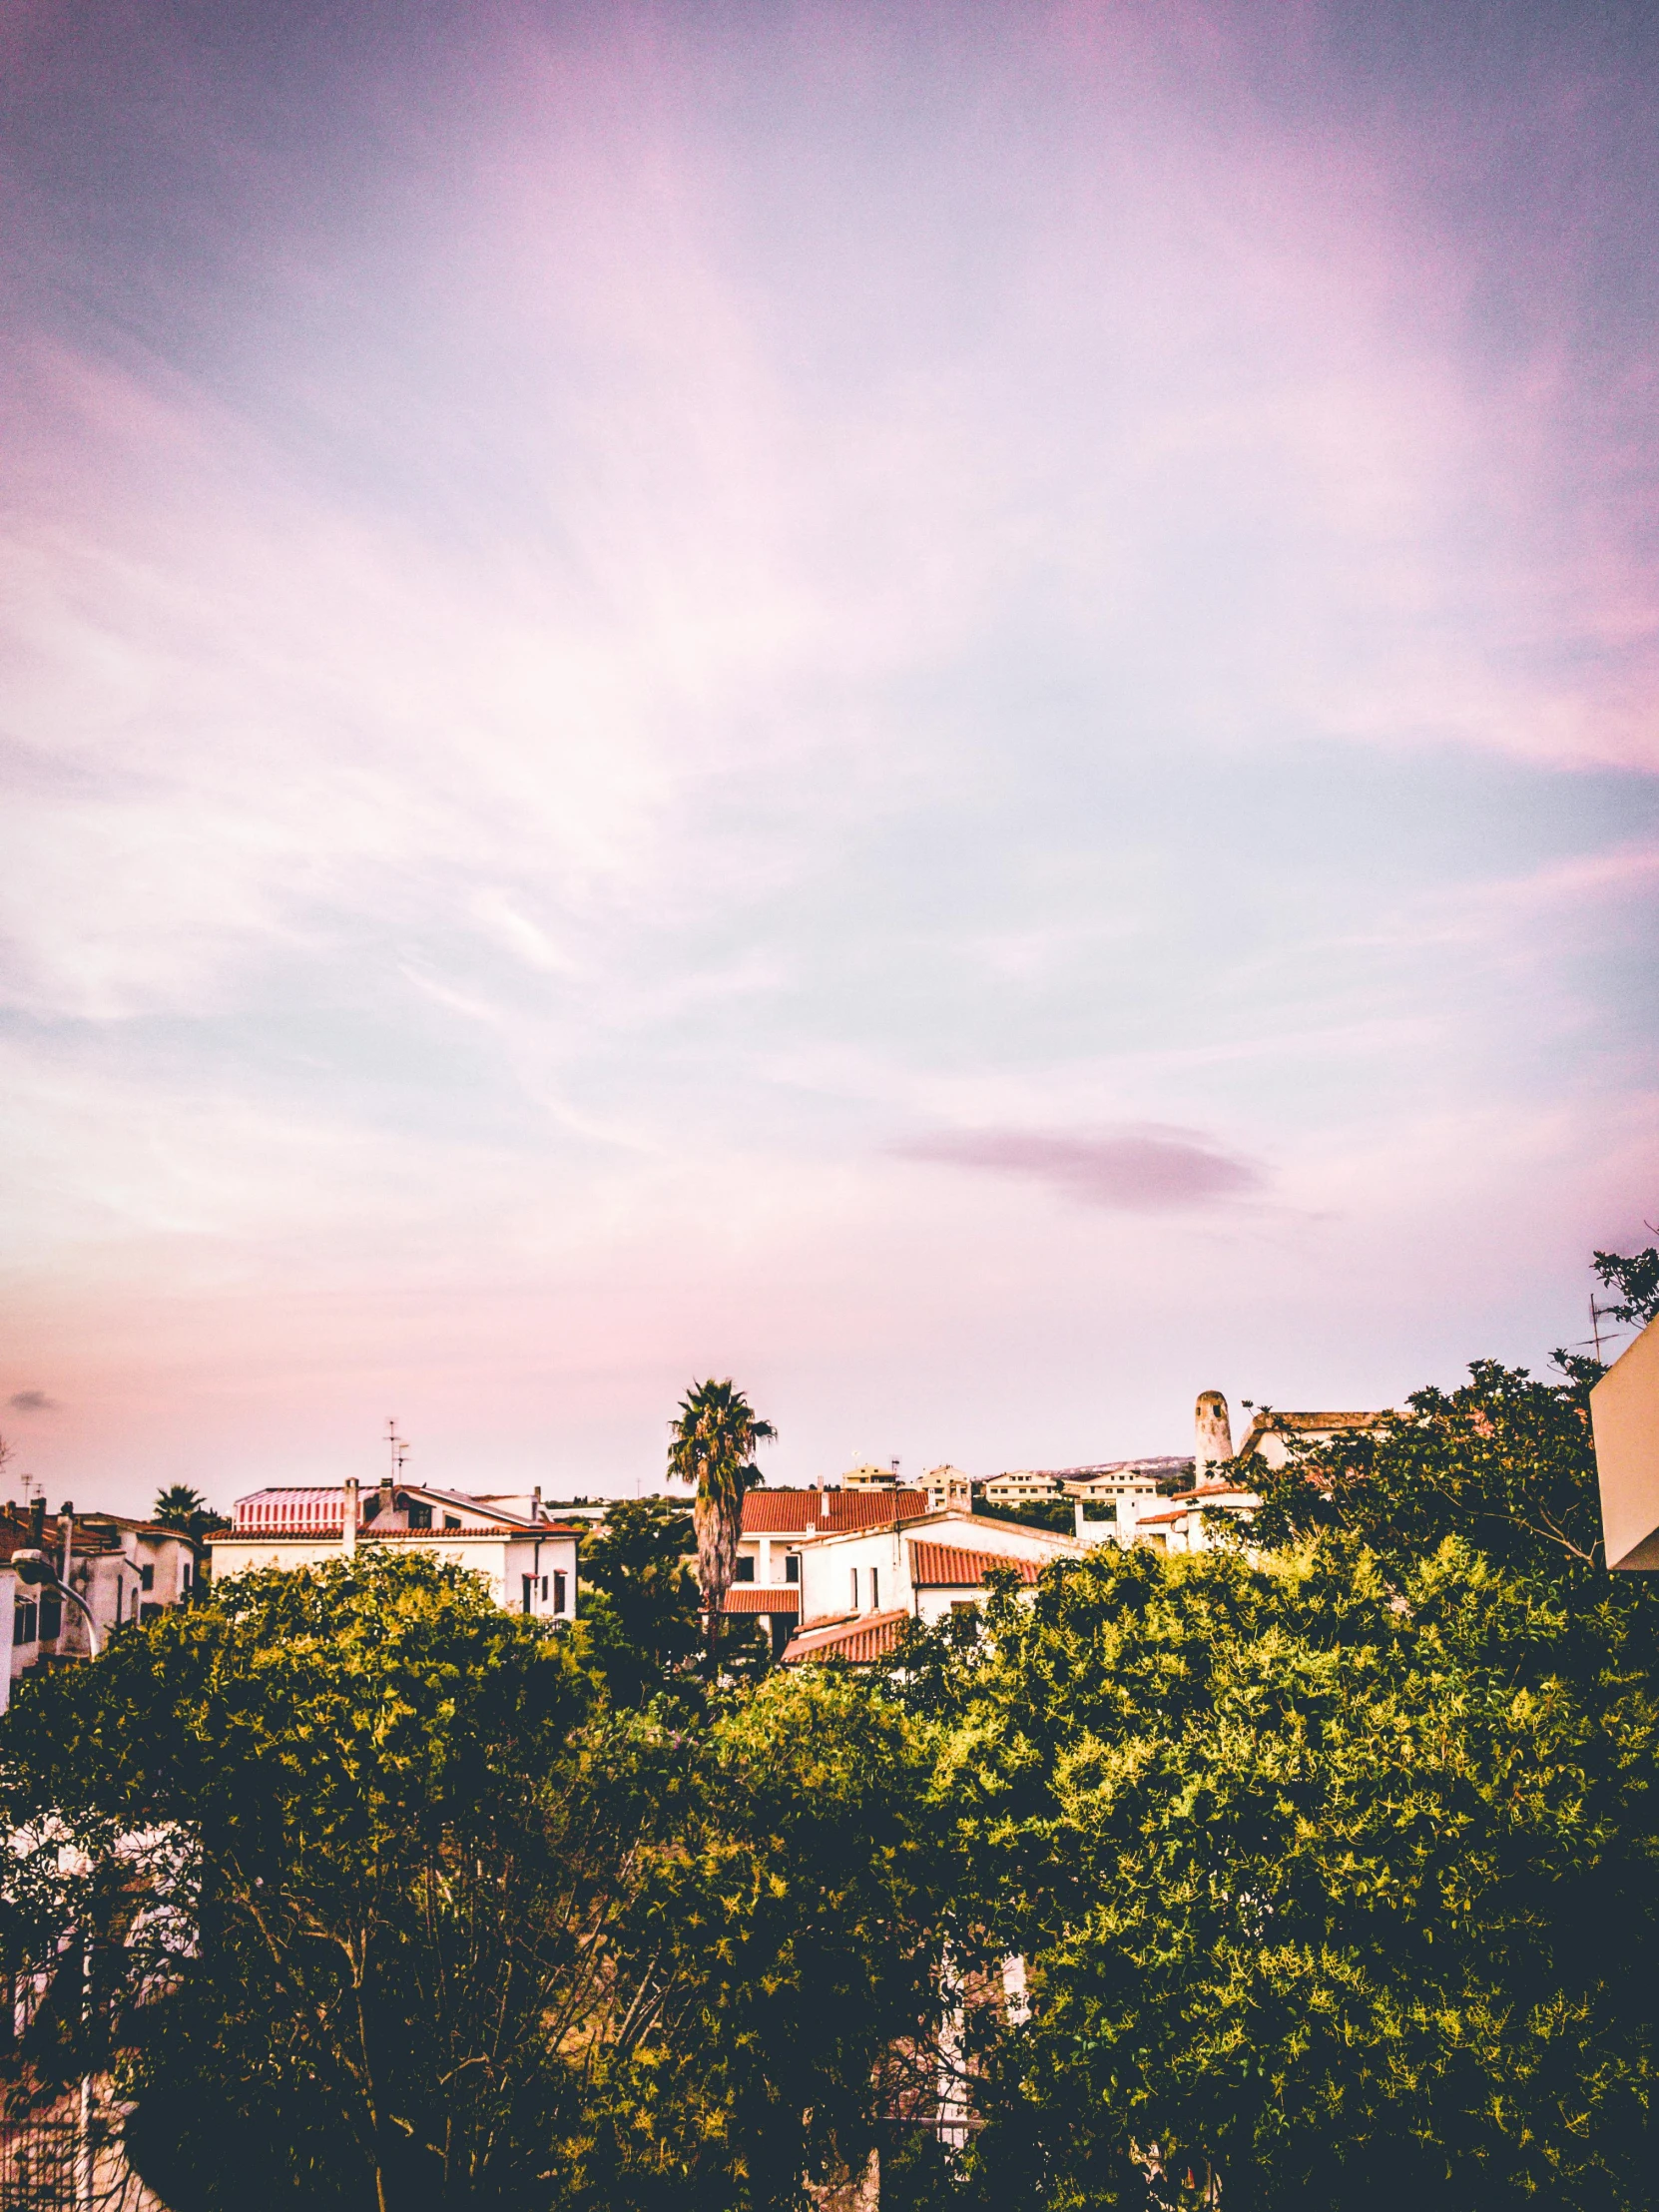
[(528, 1561)]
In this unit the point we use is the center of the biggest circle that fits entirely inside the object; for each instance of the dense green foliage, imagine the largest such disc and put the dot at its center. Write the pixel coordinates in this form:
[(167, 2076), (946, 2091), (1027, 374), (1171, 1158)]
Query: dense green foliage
[(1505, 1463), (639, 1596), (458, 1934), (1332, 1866), (1343, 1884)]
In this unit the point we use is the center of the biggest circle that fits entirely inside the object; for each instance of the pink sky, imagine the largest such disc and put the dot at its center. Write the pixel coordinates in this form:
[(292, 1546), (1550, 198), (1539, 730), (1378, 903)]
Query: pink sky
[(950, 709)]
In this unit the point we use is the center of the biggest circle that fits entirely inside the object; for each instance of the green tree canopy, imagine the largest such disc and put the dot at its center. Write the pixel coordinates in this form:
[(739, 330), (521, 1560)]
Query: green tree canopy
[(639, 1595), (1336, 1881), (1505, 1463), (423, 1923)]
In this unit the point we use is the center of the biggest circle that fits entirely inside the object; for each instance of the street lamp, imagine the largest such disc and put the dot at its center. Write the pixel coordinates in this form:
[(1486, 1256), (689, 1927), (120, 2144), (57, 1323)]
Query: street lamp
[(36, 1571)]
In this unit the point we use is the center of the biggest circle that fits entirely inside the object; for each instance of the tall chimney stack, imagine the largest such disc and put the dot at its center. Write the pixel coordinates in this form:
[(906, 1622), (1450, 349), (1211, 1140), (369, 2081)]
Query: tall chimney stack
[(348, 1517)]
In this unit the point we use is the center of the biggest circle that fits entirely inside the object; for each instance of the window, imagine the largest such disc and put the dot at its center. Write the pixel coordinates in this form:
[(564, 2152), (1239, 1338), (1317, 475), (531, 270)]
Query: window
[(51, 1618), (527, 1593), (451, 1521), (544, 1589), (745, 1571), (420, 1516), (151, 1611), (855, 1589), (119, 1599), (184, 1576), (24, 1626), (792, 1567), (558, 1593), (146, 1575), (876, 1589)]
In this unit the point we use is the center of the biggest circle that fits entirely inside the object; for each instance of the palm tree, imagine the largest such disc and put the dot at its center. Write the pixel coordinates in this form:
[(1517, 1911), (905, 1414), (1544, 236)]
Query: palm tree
[(176, 1504), (181, 1507), (712, 1440)]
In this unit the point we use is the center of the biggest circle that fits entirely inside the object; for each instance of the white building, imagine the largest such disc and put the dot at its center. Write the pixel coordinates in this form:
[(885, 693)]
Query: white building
[(1111, 1500), (946, 1487), (1272, 1435), (121, 1570), (871, 1477), (1022, 1486), (859, 1589), (776, 1528), (527, 1561)]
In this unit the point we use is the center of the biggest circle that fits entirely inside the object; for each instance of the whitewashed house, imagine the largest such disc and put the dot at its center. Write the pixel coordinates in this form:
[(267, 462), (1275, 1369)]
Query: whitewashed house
[(527, 1560), (859, 1589), (121, 1570)]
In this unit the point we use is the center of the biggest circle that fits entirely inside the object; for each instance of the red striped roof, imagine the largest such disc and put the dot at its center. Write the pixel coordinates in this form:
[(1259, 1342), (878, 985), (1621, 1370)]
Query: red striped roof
[(761, 1597), (948, 1568), (802, 1512), (870, 1637)]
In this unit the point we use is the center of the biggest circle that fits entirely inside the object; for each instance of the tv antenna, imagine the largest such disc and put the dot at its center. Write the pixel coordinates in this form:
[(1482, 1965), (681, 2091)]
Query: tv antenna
[(397, 1448)]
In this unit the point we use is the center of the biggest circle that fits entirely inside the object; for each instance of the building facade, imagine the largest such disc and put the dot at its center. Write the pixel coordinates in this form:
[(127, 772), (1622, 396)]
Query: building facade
[(527, 1561), (859, 1589), (121, 1570)]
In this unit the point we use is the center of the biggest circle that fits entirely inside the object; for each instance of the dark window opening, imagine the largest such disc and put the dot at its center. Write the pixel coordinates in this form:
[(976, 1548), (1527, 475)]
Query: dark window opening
[(527, 1593), (558, 1593), (51, 1620), (420, 1516), (24, 1622), (451, 1521), (876, 1589), (151, 1611), (146, 1575), (792, 1567), (544, 1589), (745, 1569)]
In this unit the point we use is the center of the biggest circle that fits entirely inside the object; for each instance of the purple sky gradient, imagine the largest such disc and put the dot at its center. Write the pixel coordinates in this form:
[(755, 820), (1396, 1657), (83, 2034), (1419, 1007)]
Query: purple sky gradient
[(949, 708)]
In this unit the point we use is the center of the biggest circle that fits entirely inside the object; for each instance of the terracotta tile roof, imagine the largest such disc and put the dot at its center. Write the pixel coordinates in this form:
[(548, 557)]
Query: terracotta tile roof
[(763, 1598), (801, 1512), (870, 1636), (947, 1567)]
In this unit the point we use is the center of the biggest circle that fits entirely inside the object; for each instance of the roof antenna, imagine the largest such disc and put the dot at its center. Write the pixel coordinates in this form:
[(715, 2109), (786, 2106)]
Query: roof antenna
[(397, 1448)]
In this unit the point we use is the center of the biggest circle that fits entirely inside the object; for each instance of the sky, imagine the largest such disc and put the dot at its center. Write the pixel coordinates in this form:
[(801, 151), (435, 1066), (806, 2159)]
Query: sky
[(951, 707)]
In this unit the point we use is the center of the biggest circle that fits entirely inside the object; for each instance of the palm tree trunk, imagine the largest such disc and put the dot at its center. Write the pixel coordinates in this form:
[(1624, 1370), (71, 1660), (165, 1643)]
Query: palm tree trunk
[(717, 1521)]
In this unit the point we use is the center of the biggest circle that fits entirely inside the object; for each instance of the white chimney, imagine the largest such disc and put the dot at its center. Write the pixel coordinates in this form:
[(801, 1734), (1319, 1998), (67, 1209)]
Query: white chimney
[(348, 1515)]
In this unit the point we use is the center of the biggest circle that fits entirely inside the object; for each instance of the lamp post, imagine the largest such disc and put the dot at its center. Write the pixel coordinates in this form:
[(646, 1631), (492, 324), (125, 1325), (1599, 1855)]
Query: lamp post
[(36, 1570)]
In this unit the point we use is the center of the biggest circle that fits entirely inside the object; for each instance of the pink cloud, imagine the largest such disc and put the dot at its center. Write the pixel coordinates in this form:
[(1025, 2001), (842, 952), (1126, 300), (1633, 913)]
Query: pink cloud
[(1136, 1170)]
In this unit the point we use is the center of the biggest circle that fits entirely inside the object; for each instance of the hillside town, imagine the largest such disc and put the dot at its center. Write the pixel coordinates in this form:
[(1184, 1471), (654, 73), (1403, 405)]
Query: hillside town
[(833, 1570)]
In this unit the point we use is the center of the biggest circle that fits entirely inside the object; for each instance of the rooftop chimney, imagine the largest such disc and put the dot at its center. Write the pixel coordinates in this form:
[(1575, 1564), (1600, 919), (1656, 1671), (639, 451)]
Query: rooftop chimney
[(348, 1515)]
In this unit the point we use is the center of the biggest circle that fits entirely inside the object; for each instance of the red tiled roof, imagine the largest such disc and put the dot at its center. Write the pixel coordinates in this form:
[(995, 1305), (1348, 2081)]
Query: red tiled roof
[(870, 1637), (801, 1512), (763, 1598), (947, 1567)]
